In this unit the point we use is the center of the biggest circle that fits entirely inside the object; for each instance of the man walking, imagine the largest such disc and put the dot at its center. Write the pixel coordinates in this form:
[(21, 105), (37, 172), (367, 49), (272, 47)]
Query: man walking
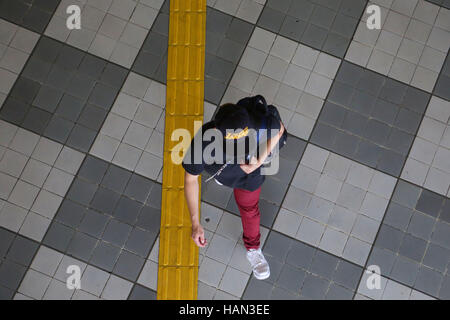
[(238, 167)]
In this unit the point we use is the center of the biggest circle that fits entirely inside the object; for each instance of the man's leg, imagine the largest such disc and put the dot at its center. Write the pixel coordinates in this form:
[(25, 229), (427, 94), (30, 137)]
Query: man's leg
[(247, 202)]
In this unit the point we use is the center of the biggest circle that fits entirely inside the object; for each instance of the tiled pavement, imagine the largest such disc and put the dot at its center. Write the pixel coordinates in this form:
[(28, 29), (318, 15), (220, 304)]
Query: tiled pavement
[(325, 25), (412, 246), (364, 179), (112, 30), (335, 204), (132, 135), (370, 118), (411, 45), (63, 94)]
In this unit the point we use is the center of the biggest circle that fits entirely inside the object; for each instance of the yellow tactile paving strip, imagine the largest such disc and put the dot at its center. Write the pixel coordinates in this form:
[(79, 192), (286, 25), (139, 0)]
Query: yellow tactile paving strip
[(178, 255)]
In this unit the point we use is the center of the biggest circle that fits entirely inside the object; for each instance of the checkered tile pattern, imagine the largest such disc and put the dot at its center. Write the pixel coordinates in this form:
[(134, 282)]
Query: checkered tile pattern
[(112, 30), (411, 45), (363, 190)]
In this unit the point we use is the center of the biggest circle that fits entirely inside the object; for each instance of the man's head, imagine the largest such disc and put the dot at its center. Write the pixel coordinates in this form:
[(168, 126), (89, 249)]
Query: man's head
[(238, 130)]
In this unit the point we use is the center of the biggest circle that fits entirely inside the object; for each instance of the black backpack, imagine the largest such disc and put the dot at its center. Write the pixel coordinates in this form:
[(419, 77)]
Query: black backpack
[(263, 114)]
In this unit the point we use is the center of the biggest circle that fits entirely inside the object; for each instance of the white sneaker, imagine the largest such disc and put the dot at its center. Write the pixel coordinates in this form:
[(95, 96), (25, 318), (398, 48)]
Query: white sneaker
[(259, 264)]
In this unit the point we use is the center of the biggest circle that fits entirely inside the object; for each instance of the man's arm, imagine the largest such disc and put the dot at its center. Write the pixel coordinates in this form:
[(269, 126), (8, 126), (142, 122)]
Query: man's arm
[(191, 192), (271, 143)]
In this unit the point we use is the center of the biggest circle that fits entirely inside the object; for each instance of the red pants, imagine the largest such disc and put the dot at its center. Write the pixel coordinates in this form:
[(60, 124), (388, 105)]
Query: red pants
[(247, 202)]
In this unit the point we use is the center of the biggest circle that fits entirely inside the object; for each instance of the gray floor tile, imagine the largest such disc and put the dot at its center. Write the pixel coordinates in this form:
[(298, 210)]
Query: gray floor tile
[(116, 179), (336, 292), (314, 288), (140, 242), (117, 233), (70, 213), (58, 236), (257, 290), (22, 250), (11, 274), (142, 293), (127, 210), (94, 223), (430, 203), (105, 256), (291, 278), (82, 246), (105, 200), (129, 265)]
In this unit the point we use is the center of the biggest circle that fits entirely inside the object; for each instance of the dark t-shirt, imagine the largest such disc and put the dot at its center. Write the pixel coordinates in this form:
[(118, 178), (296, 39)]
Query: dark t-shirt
[(232, 175)]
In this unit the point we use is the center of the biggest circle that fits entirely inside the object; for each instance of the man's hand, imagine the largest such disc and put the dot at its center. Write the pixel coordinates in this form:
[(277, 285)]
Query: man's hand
[(256, 163), (252, 166), (198, 235)]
